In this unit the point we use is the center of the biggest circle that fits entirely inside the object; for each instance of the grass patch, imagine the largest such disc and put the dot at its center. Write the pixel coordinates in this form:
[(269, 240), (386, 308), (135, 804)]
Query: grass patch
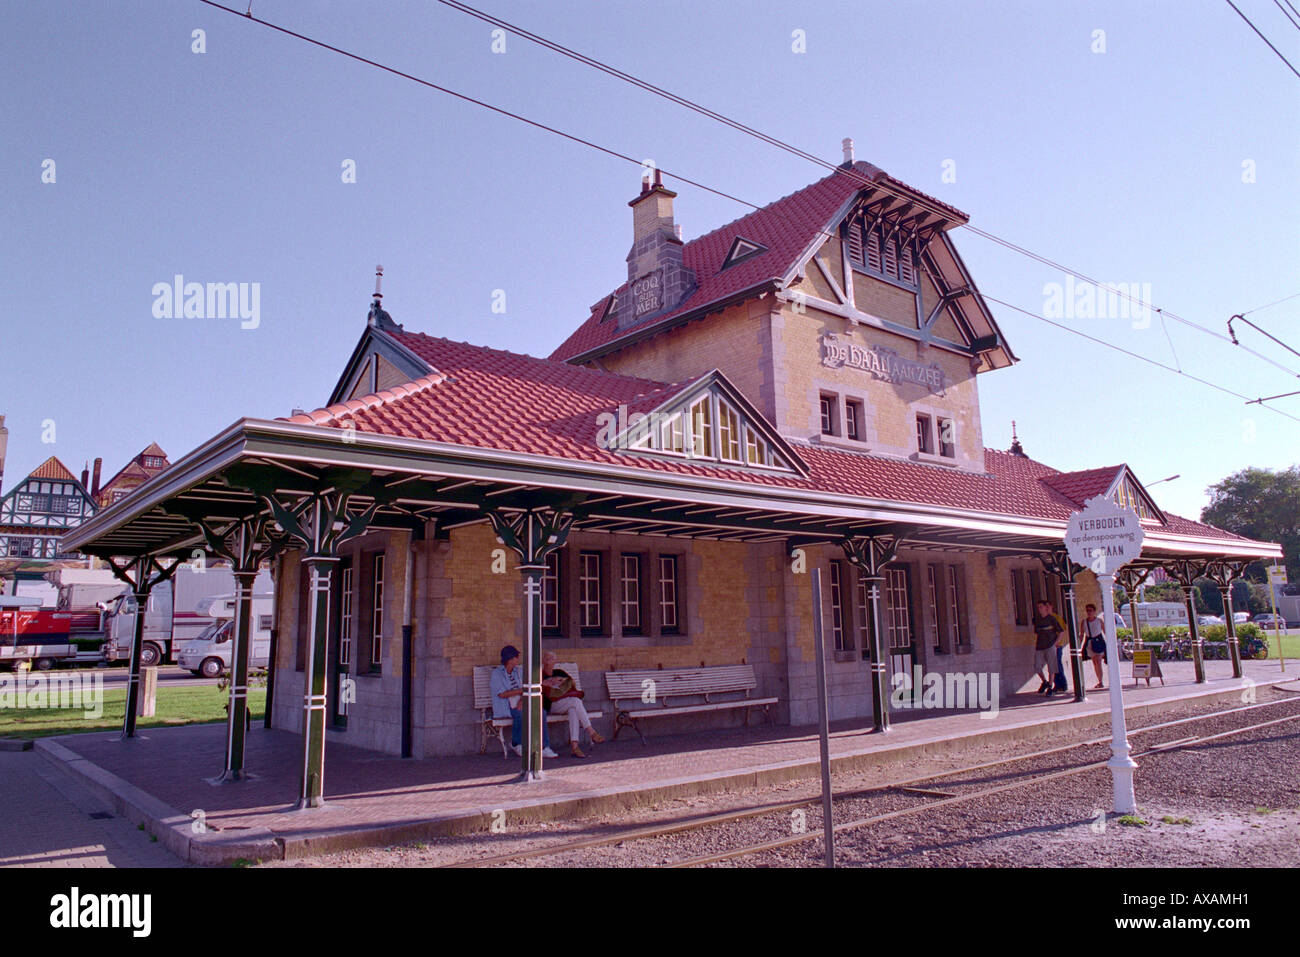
[(1290, 645), (1132, 820), (176, 706), (1263, 810), (1170, 819)]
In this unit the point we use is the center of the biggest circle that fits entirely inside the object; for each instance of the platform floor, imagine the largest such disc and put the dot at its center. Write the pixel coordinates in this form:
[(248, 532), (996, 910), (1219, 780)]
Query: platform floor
[(372, 799)]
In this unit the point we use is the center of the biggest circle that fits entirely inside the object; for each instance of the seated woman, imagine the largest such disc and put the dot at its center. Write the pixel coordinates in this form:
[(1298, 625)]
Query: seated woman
[(562, 697), (507, 693)]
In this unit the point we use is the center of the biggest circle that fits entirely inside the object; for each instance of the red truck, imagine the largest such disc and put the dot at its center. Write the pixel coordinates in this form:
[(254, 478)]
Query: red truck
[(30, 633)]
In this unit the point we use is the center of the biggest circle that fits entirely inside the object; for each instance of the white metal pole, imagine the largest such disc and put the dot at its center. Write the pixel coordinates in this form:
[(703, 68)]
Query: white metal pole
[(1121, 763)]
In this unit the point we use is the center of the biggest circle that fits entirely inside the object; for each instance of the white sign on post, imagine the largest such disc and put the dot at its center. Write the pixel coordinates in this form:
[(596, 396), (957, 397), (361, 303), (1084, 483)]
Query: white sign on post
[(1105, 537)]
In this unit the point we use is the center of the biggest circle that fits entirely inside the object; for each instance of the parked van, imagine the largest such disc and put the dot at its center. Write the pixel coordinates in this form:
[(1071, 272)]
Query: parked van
[(169, 623), (209, 655), (1156, 614)]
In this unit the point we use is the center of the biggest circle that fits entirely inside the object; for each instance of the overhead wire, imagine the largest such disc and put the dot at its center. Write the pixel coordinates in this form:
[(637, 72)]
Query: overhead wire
[(717, 192), (646, 85)]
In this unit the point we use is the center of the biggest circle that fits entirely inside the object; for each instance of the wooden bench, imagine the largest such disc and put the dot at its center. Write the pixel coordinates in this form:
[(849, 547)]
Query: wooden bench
[(496, 727), (646, 694)]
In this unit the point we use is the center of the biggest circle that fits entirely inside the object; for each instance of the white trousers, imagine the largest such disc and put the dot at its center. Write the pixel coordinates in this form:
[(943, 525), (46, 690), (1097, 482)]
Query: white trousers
[(577, 712)]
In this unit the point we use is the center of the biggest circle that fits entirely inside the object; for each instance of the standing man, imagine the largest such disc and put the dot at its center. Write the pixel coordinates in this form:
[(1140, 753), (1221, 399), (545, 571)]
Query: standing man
[(1048, 629)]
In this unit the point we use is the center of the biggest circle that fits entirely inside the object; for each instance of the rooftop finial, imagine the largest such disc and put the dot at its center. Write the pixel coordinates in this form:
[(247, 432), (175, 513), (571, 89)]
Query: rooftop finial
[(379, 278), (1016, 447), (847, 145)]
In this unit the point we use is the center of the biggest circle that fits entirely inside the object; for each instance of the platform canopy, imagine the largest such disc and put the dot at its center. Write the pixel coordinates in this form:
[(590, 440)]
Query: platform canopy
[(419, 481)]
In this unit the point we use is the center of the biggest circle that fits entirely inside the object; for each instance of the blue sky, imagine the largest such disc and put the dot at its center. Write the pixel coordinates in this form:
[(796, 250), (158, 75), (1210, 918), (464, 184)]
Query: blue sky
[(1126, 165)]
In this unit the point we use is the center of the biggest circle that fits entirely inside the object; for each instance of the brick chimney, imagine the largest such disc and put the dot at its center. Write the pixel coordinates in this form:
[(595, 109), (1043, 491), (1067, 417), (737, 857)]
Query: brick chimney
[(85, 476), (94, 479), (657, 280)]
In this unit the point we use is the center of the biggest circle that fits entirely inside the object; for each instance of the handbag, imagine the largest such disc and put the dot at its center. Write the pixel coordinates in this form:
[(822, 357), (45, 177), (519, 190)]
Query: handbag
[(559, 687)]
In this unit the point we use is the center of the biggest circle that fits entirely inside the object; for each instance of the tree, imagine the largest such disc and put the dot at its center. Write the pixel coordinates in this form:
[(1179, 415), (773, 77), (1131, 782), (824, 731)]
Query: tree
[(1261, 504)]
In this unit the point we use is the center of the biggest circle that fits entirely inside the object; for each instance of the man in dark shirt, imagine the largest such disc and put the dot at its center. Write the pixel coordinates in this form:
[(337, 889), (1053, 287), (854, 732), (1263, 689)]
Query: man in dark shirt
[(1048, 629)]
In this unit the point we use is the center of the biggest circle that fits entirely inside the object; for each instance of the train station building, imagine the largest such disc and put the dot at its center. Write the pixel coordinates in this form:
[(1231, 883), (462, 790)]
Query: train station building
[(794, 392)]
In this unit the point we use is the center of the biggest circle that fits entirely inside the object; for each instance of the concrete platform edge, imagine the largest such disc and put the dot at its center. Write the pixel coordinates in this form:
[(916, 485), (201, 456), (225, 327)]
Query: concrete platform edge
[(174, 828)]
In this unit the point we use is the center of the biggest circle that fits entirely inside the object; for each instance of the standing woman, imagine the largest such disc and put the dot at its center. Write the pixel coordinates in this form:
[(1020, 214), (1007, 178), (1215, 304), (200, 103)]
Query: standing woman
[(1093, 630)]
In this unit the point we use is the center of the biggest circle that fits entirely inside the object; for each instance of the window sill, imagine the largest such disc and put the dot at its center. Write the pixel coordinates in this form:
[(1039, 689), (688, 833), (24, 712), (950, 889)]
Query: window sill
[(929, 458), (839, 442)]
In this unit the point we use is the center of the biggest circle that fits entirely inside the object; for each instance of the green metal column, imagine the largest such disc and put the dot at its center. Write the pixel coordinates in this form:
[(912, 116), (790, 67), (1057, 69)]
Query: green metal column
[(1194, 632), (321, 568), (532, 534), (141, 594), (879, 657), (534, 716), (1234, 648), (1072, 630), (870, 554), (239, 651)]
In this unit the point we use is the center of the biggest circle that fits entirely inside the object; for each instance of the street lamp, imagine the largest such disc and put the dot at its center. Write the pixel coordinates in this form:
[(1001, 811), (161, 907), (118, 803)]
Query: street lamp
[(1170, 479)]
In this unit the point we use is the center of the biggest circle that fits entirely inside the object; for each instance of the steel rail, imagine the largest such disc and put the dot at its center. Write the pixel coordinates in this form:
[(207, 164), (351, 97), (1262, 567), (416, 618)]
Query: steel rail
[(678, 826), (972, 796)]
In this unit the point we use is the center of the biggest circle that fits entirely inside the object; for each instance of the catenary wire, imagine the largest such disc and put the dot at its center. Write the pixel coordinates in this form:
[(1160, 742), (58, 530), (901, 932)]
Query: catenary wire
[(1264, 38), (630, 159), (813, 158)]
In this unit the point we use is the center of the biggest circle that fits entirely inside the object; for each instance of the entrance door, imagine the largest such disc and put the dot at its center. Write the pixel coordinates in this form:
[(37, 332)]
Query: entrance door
[(899, 629), (341, 683)]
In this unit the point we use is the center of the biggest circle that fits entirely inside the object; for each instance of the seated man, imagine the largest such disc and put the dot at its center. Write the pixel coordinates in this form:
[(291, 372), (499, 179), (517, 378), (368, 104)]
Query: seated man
[(507, 695), (562, 697)]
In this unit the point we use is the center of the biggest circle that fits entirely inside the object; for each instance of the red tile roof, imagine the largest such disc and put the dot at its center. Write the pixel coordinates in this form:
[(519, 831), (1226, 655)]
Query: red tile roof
[(786, 227), (487, 398), (1081, 486), (52, 468)]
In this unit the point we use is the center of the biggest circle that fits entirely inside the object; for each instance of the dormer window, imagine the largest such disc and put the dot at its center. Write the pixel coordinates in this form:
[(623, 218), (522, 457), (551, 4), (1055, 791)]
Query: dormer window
[(709, 422), (728, 433), (702, 426), (877, 248)]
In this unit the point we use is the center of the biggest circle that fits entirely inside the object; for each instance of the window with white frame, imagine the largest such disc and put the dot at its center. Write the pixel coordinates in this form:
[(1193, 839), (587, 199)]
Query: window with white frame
[(668, 594), (702, 427), (345, 616), (924, 434), (630, 592), (838, 617), (826, 404), (947, 437), (728, 433), (551, 621), (956, 617), (864, 611), (589, 592), (377, 611), (933, 580), (854, 417)]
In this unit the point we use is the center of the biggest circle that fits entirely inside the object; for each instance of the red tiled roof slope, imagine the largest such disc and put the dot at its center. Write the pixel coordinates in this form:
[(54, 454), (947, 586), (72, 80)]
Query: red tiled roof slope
[(52, 468), (786, 227), (487, 398), (1081, 486)]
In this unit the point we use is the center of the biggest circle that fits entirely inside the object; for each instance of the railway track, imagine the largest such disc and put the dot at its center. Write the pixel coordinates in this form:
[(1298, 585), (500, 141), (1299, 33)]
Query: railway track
[(930, 789)]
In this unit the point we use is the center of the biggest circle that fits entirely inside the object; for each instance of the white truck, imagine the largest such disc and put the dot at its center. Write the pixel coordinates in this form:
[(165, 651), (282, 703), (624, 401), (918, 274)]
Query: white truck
[(1156, 614), (172, 616), (209, 654)]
